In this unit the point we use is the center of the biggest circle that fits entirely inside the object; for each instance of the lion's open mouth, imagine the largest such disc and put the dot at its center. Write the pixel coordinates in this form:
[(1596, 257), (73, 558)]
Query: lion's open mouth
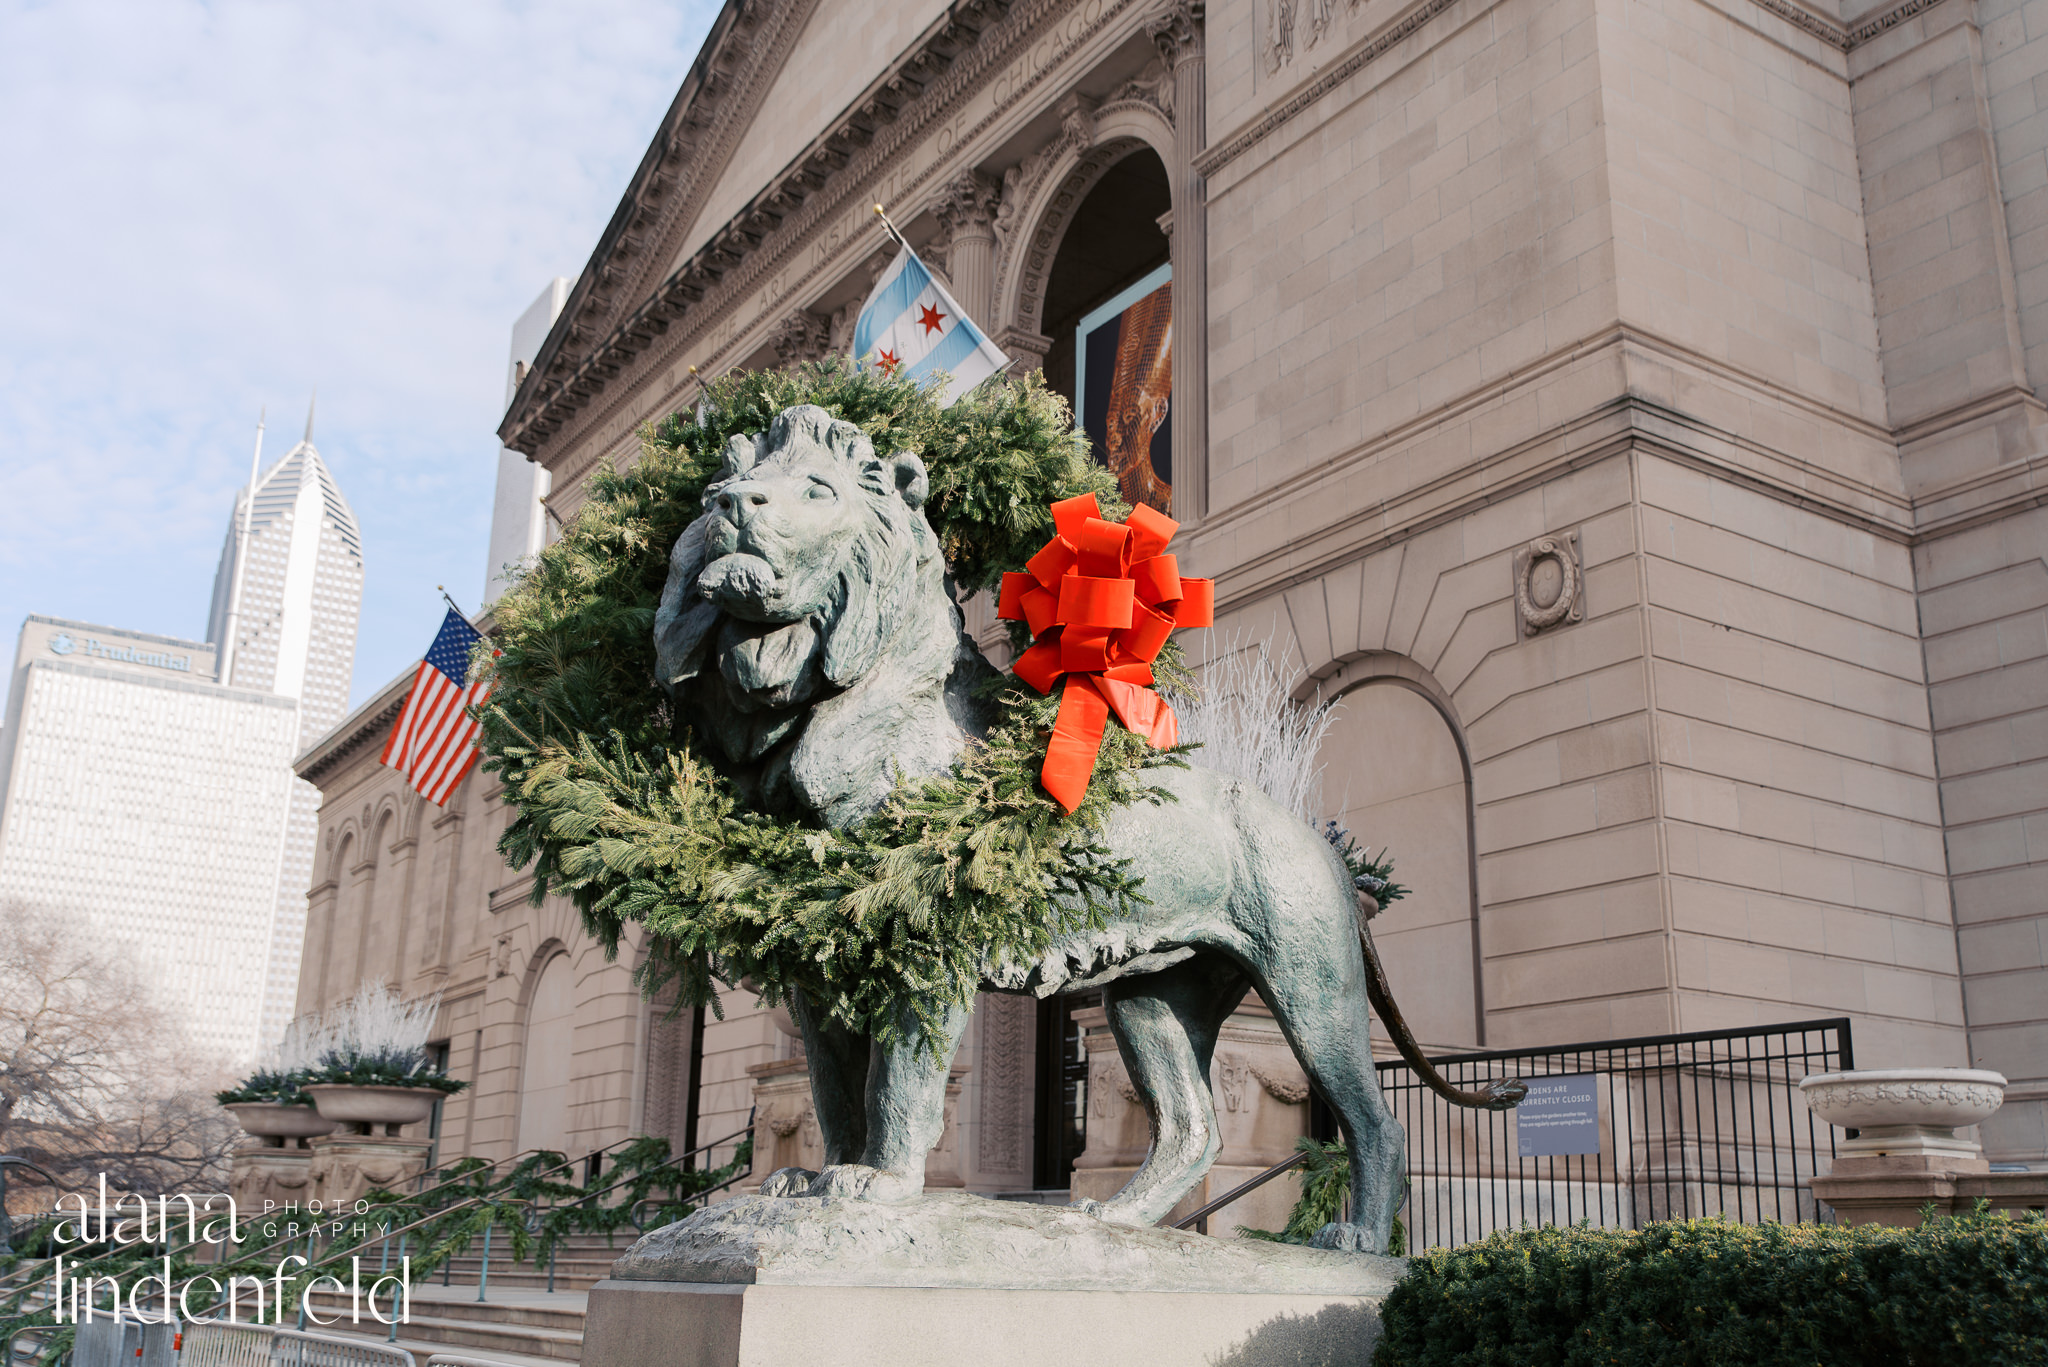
[(744, 585)]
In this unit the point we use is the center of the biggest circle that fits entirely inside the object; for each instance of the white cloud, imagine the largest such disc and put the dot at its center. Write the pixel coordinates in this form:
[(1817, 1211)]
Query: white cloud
[(218, 206)]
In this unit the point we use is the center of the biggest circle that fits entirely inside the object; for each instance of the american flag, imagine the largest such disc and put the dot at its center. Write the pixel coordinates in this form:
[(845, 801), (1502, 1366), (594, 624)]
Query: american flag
[(434, 742)]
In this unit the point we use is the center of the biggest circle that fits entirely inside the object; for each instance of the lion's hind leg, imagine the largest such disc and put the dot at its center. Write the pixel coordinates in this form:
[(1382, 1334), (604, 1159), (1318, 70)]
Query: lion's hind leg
[(1325, 1016), (1165, 1025)]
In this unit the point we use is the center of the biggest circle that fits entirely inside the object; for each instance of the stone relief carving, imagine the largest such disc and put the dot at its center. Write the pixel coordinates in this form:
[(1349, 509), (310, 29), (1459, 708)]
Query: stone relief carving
[(839, 331), (1285, 18), (802, 336), (1282, 1085), (1022, 181), (1549, 585), (501, 957), (1153, 89), (1006, 1024), (1278, 43)]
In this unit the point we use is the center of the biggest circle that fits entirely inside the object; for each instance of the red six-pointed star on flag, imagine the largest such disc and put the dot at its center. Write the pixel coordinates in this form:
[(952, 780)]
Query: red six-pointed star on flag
[(930, 319), (889, 362)]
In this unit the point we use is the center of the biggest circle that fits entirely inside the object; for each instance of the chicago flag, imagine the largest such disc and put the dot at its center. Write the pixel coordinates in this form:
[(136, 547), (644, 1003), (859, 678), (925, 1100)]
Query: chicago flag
[(911, 326)]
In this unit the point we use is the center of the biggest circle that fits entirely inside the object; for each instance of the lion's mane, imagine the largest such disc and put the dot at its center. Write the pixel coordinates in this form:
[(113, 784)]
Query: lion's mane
[(816, 715)]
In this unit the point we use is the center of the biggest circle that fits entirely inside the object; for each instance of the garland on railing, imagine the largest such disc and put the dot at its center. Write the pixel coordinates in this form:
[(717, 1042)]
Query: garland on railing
[(527, 1202)]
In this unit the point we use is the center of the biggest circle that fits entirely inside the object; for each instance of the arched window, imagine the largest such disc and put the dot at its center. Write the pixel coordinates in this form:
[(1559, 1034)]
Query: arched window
[(548, 1058), (1397, 777)]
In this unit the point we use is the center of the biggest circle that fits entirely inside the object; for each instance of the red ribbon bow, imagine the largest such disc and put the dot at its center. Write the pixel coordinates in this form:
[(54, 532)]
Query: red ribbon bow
[(1101, 599)]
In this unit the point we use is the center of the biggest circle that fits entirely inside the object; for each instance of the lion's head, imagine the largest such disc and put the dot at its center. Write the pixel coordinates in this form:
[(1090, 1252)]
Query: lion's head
[(796, 581)]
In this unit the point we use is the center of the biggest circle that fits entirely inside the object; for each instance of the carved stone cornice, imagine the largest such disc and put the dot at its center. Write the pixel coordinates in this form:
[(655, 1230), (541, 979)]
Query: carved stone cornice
[(716, 103), (368, 725), (815, 197)]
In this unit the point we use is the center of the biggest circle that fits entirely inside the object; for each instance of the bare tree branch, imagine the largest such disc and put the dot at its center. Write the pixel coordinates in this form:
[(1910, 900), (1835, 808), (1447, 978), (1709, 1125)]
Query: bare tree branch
[(94, 1075)]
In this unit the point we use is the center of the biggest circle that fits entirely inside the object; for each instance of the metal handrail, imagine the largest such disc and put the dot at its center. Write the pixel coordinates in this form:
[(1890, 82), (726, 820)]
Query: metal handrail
[(32, 1270), (473, 1201), (1202, 1213), (388, 1234)]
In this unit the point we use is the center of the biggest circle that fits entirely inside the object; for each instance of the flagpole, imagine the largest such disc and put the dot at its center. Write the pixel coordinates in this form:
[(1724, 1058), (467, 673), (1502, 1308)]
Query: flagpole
[(457, 608), (893, 230)]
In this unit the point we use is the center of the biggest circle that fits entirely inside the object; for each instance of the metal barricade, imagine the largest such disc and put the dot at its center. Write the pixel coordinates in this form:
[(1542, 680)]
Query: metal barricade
[(124, 1342), (225, 1345), (294, 1348)]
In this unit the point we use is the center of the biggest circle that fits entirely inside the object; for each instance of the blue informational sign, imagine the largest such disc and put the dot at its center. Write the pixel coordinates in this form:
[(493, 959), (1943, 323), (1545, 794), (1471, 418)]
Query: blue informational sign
[(1561, 1115)]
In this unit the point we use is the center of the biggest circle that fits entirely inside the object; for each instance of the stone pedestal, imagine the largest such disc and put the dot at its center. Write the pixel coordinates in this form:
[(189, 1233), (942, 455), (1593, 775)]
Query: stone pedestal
[(953, 1278), (1261, 1110), (786, 1125), (266, 1178), (703, 1324), (345, 1166), (1892, 1189), (1910, 1150)]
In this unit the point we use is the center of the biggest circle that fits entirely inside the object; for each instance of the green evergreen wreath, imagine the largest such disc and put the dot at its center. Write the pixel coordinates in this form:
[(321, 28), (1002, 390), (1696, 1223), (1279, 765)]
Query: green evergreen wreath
[(880, 924)]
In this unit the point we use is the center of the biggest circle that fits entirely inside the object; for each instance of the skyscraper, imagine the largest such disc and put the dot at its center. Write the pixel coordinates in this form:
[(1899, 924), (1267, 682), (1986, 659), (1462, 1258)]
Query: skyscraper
[(143, 804), (519, 514), (292, 617)]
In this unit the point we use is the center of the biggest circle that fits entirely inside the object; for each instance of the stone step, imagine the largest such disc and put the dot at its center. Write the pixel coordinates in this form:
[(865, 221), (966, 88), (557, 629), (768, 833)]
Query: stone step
[(517, 1355), (516, 1326)]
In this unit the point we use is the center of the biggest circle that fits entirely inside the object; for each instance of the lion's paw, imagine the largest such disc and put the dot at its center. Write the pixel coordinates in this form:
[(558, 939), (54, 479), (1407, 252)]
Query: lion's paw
[(1110, 1213), (855, 1182), (1347, 1238), (789, 1182)]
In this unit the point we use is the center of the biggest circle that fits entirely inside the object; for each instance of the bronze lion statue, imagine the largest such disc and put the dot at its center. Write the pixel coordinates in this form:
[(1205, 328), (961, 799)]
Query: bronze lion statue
[(807, 632)]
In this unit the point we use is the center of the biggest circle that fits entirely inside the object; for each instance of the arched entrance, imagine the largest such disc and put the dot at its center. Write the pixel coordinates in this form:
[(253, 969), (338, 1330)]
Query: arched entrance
[(548, 1058), (1397, 775), (1107, 282)]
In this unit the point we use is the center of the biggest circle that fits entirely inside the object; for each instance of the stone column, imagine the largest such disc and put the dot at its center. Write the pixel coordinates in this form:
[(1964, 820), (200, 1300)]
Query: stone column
[(966, 208), (442, 893), (1177, 30)]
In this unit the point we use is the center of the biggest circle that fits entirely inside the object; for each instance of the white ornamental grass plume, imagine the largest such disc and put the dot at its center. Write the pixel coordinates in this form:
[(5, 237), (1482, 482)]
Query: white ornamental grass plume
[(1250, 727), (304, 1043), (377, 1026)]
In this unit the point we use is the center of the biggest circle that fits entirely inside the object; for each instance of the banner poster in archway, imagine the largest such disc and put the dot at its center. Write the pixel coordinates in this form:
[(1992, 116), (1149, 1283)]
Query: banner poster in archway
[(1123, 387)]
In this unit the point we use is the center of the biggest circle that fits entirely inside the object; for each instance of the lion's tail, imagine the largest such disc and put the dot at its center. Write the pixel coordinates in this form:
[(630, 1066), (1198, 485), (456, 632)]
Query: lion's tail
[(1500, 1094)]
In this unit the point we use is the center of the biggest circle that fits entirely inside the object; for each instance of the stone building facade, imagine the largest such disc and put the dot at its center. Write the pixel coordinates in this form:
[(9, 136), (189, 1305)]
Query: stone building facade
[(1628, 409)]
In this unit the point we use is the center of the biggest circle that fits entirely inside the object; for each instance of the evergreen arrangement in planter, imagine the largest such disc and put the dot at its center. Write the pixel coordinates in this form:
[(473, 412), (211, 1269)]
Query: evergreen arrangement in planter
[(1958, 1291), (378, 1039), (364, 1064)]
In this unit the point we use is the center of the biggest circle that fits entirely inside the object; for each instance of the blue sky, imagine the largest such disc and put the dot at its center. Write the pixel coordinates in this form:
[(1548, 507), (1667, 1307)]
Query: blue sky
[(216, 207)]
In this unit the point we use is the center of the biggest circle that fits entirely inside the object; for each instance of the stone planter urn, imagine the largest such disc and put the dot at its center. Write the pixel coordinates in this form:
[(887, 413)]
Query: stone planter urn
[(1905, 1110), (362, 1107), (1906, 1154), (275, 1124)]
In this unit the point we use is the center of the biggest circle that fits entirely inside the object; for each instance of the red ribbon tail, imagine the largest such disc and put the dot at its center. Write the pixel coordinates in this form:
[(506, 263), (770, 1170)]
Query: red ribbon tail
[(1143, 711), (1076, 739)]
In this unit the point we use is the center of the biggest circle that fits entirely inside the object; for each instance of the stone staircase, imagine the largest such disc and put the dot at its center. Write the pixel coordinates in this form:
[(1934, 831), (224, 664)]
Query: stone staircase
[(519, 1322)]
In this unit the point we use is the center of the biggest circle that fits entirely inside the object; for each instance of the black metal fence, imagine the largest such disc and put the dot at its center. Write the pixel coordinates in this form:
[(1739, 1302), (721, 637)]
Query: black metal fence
[(1627, 1131)]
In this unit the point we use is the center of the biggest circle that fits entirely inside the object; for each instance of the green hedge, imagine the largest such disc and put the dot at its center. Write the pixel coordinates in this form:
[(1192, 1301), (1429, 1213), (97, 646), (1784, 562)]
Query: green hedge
[(1972, 1290)]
